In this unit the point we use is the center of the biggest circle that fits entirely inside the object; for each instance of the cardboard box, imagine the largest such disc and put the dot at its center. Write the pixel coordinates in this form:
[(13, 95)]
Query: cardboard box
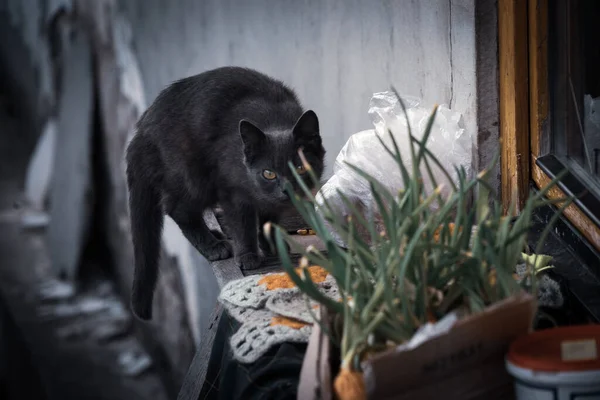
[(465, 363)]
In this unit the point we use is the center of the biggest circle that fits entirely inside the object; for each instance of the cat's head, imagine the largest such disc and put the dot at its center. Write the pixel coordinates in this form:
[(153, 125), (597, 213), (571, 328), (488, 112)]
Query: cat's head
[(267, 154)]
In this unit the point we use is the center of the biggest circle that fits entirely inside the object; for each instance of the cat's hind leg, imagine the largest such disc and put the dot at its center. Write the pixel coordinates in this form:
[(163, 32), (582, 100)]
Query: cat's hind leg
[(263, 242), (211, 244)]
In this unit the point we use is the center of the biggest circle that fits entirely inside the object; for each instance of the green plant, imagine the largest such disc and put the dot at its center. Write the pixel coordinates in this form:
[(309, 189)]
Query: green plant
[(425, 263)]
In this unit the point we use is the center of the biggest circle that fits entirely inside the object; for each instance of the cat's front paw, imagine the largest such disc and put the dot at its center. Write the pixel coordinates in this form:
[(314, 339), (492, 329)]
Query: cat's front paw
[(266, 247), (249, 261), (221, 250)]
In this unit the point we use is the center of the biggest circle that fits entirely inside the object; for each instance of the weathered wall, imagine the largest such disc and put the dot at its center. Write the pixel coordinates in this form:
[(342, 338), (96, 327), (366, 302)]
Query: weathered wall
[(335, 53)]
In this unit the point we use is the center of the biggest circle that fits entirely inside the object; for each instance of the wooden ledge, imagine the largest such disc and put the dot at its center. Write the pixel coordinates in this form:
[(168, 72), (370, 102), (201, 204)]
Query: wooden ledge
[(226, 271)]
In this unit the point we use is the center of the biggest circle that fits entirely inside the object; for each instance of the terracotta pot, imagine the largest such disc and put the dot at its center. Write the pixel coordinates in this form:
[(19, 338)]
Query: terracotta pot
[(563, 363)]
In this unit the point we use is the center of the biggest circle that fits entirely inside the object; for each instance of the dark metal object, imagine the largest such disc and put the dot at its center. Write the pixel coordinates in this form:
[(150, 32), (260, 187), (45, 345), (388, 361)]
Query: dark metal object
[(577, 265)]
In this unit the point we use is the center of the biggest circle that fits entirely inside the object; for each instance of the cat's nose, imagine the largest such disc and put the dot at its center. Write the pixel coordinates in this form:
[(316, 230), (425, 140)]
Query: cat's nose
[(285, 187), (284, 184)]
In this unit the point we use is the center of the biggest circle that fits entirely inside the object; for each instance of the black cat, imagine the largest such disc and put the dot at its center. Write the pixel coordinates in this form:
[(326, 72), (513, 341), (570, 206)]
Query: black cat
[(222, 137)]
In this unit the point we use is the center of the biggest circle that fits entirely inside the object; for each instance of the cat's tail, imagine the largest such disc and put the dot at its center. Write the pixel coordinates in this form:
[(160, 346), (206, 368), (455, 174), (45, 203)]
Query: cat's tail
[(146, 216)]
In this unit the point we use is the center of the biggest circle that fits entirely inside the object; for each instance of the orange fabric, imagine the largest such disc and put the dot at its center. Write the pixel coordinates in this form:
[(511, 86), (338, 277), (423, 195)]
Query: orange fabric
[(283, 281), (290, 322)]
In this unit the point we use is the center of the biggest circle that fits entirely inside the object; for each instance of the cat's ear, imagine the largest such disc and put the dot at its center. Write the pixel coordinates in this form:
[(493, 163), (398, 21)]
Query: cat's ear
[(307, 127), (252, 137)]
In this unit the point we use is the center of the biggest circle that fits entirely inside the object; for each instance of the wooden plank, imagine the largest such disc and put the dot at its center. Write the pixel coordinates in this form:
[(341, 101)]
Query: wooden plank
[(575, 84), (539, 115), (194, 379), (538, 79), (225, 271), (514, 102), (589, 229), (488, 113)]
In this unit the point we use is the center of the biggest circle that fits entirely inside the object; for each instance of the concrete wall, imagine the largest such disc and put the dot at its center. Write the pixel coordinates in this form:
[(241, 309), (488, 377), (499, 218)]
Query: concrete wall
[(335, 53)]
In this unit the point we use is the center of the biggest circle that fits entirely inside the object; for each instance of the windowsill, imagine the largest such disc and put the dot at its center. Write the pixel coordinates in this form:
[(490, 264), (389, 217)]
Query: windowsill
[(577, 260)]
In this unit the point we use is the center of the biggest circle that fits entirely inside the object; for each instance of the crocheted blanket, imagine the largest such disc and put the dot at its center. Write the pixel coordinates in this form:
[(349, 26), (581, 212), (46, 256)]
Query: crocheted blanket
[(272, 310)]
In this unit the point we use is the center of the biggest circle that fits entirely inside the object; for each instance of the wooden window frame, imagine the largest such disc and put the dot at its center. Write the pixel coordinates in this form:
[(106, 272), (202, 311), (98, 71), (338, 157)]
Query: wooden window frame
[(524, 115)]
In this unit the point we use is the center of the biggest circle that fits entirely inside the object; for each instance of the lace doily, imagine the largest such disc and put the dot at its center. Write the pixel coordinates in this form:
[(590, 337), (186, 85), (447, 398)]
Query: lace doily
[(272, 310)]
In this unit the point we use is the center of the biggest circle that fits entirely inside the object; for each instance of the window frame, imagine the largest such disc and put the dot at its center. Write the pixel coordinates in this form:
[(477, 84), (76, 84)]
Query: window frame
[(525, 117)]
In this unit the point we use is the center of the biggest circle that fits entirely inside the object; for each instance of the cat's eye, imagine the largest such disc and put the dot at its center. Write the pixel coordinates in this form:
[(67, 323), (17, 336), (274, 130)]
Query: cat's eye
[(300, 169), (269, 175)]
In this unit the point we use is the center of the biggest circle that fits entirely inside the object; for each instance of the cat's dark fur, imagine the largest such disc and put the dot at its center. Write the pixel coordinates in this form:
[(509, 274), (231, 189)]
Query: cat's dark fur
[(207, 140)]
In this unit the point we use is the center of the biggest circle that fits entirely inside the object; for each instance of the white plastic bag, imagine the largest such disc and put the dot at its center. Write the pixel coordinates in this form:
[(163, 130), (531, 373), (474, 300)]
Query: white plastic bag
[(448, 141)]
